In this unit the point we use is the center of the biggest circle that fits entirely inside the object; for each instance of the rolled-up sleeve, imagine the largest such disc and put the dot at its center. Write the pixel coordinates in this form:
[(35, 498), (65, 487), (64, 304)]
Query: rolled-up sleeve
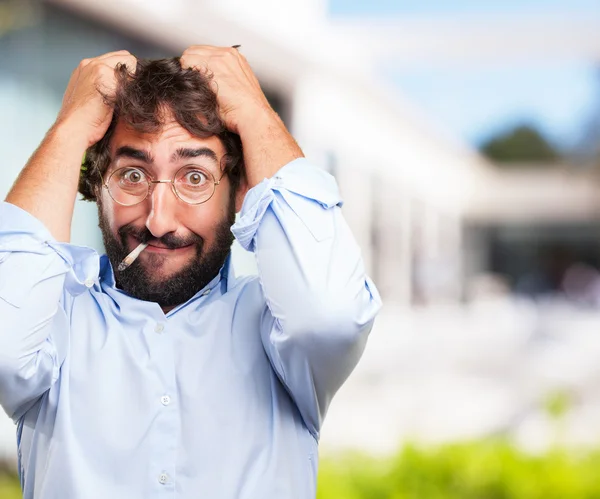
[(36, 275), (320, 303)]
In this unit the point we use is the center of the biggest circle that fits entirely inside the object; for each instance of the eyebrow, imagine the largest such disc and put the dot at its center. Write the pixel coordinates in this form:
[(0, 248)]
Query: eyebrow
[(181, 153), (187, 153), (133, 153)]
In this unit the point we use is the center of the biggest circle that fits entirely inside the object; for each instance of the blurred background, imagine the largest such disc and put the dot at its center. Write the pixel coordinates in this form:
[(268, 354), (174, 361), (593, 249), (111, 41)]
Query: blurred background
[(465, 137)]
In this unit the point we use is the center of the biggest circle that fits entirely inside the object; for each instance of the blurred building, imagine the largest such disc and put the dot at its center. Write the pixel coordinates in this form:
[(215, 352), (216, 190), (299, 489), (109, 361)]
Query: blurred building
[(429, 213), (531, 223)]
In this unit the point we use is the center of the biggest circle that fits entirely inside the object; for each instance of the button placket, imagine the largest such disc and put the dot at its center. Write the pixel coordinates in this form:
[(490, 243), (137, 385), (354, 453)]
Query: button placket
[(167, 421)]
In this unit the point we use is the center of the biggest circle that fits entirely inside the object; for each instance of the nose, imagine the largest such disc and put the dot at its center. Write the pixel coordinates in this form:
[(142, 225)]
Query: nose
[(162, 218)]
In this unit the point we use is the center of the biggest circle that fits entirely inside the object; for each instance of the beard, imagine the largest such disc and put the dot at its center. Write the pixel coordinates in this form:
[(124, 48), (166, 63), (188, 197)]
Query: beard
[(141, 281)]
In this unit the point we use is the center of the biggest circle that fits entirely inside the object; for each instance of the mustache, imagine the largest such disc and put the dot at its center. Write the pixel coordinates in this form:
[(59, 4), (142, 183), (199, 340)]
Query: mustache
[(169, 240)]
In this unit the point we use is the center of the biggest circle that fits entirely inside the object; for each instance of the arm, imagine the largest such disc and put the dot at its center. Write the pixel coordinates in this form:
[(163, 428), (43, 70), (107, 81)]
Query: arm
[(320, 304), (47, 186), (35, 270), (35, 267)]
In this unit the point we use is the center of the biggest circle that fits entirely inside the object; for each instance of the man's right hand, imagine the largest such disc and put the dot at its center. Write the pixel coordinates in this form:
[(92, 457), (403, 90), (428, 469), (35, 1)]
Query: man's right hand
[(84, 111)]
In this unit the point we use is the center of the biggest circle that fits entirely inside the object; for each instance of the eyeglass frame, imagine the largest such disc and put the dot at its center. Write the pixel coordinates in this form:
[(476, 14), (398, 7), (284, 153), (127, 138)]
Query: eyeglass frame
[(172, 182)]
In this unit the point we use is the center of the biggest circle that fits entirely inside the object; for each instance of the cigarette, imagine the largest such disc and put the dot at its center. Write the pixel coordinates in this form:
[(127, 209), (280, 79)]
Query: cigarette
[(129, 259)]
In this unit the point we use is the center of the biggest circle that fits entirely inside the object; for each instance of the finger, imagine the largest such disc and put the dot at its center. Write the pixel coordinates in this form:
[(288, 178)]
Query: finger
[(131, 64), (246, 68), (194, 62), (209, 59), (129, 61), (112, 54), (195, 51), (114, 59), (206, 51), (86, 61), (214, 85), (103, 75), (199, 48), (209, 50)]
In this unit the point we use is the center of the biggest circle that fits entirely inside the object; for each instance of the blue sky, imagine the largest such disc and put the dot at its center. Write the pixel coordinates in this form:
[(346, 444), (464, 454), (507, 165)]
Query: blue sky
[(558, 98), (476, 102), (427, 7)]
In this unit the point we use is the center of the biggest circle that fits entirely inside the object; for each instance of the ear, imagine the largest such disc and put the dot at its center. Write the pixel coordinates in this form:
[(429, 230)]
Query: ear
[(240, 195)]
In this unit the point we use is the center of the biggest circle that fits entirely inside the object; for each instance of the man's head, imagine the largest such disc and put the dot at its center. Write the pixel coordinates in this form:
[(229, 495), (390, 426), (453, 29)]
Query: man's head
[(166, 122)]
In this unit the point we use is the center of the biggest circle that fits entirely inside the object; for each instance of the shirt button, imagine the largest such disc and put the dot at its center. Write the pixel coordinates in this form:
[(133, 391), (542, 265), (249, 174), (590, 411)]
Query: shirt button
[(163, 478), (159, 328), (165, 400), (89, 283), (205, 292)]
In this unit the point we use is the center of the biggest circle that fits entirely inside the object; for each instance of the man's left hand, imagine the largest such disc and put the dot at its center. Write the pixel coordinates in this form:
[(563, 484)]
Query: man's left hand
[(267, 143), (238, 92)]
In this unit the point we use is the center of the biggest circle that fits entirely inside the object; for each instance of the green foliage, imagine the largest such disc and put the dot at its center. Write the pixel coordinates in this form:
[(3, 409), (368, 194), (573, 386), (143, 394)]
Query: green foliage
[(487, 469), (479, 470), (524, 144), (9, 483), (10, 488)]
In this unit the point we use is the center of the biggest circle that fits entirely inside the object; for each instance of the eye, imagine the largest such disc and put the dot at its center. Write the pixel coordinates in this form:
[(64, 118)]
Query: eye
[(132, 176), (195, 178)]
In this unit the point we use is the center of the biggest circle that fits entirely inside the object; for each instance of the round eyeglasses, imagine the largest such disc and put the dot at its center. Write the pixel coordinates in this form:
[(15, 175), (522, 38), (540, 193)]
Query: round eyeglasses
[(192, 184)]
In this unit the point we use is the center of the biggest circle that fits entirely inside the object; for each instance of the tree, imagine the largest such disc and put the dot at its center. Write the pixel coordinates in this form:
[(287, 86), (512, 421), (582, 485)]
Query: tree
[(523, 144), (588, 148)]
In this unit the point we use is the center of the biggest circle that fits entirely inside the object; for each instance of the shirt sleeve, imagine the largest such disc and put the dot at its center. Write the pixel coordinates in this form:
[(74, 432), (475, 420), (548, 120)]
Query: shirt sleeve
[(37, 273), (321, 305)]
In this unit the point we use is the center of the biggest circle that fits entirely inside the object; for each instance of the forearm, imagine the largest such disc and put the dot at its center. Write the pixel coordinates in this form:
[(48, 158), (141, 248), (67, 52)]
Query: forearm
[(267, 145), (47, 186)]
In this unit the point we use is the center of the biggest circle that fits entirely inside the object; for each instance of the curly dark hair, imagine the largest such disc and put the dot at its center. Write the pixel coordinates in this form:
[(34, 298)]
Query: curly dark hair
[(141, 100)]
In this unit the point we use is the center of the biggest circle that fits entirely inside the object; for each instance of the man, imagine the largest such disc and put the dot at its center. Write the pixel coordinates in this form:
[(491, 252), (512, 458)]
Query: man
[(172, 378)]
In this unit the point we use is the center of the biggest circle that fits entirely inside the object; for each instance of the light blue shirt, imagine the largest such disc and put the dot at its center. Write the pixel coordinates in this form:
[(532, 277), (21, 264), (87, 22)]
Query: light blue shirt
[(221, 398)]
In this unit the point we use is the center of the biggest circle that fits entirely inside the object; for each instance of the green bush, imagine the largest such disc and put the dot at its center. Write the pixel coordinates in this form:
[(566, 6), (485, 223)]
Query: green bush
[(477, 470), (9, 483), (10, 488), (487, 469)]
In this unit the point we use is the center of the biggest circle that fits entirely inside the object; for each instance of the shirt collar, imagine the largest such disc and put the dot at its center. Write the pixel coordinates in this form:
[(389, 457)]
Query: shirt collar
[(226, 277)]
